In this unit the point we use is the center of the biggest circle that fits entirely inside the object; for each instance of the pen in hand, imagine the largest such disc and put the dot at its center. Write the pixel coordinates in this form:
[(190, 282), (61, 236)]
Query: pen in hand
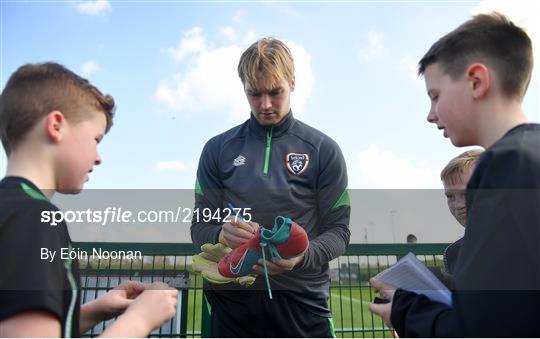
[(238, 214), (378, 300), (236, 211)]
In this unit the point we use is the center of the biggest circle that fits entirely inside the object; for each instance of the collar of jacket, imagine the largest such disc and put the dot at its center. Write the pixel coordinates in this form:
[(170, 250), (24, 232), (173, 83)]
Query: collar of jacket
[(278, 129)]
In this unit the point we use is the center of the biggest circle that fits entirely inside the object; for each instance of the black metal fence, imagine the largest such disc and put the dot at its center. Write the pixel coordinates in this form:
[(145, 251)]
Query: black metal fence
[(350, 292)]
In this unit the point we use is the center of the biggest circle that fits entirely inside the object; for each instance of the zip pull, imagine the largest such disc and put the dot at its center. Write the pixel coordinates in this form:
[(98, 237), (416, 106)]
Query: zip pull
[(267, 155)]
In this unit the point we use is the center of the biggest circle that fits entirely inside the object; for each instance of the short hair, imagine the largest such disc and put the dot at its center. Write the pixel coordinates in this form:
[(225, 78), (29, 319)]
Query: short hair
[(35, 90), (491, 39), (466, 161), (267, 58)]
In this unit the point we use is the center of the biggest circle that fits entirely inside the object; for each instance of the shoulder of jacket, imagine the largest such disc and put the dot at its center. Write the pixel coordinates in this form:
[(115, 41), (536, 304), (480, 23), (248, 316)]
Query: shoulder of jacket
[(236, 132), (311, 135)]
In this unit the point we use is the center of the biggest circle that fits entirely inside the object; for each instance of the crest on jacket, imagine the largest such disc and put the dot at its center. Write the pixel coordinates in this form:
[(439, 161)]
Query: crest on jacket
[(296, 163)]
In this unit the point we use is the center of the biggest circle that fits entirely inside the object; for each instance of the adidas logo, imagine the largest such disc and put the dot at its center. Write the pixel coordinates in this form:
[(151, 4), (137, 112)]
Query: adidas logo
[(239, 161)]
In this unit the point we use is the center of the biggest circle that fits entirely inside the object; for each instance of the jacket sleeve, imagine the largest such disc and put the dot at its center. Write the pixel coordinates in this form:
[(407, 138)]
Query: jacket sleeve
[(32, 283), (414, 315), (333, 209), (498, 273), (208, 195), (498, 270)]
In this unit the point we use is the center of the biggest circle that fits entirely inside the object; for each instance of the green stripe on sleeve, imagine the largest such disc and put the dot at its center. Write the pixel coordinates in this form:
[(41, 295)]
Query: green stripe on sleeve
[(343, 199), (331, 324), (74, 296), (198, 189)]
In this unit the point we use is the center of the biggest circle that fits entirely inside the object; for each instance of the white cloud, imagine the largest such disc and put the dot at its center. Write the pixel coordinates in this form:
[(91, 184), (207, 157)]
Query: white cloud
[(192, 42), (229, 33), (89, 68), (373, 46), (304, 77), (209, 83), (249, 38), (176, 166), (96, 7), (230, 36), (386, 170)]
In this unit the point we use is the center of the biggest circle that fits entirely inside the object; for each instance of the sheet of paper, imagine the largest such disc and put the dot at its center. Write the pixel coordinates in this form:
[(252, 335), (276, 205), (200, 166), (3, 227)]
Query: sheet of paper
[(412, 275)]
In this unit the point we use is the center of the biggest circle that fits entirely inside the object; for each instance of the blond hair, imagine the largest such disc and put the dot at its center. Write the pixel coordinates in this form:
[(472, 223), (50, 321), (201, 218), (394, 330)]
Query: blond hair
[(466, 161), (267, 58)]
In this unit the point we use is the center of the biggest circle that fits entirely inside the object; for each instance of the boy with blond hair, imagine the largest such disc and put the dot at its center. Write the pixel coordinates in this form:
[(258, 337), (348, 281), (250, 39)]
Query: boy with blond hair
[(51, 122), (476, 77), (455, 176), (273, 165)]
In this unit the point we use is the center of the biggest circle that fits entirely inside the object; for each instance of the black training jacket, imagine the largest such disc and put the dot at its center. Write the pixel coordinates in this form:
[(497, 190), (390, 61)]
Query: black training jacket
[(288, 169), (497, 273)]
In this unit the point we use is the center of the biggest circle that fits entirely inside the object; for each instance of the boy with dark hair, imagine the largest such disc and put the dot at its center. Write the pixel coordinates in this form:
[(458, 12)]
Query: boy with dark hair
[(476, 77), (51, 122)]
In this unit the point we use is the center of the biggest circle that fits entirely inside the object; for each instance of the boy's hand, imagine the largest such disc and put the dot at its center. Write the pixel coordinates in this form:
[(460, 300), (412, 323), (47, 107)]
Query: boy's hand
[(118, 299), (234, 234), (386, 292), (110, 305), (153, 307), (278, 267)]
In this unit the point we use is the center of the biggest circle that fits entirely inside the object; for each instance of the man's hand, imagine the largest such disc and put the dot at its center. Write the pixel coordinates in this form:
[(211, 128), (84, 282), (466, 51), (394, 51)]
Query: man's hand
[(386, 292), (207, 261), (278, 267), (234, 234)]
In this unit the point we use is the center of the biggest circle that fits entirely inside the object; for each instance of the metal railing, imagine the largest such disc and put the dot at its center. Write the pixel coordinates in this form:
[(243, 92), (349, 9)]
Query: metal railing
[(350, 292)]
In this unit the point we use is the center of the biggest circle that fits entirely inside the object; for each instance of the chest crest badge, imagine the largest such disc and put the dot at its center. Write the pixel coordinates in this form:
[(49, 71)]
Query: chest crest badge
[(296, 163)]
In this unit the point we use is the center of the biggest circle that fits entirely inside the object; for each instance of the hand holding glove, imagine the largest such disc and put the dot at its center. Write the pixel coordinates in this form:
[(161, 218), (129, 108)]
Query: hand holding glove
[(207, 261)]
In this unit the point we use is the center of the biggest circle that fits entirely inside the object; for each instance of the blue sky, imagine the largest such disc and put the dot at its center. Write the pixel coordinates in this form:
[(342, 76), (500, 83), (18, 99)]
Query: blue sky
[(171, 68)]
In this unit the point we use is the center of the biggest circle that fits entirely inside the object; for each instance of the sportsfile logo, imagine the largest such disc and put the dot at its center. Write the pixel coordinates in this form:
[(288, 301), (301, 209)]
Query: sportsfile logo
[(117, 215)]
